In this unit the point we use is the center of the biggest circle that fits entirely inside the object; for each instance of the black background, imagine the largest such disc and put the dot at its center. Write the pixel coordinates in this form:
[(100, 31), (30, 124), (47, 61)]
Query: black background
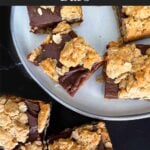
[(129, 135), (74, 2)]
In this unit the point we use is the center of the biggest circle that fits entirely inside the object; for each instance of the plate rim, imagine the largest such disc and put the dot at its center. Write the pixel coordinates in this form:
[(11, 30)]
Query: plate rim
[(84, 113)]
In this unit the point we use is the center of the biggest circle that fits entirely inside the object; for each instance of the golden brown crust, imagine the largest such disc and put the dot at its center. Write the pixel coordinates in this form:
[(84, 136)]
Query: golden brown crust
[(34, 54), (71, 13), (130, 69), (137, 23), (84, 138), (62, 28), (14, 121), (133, 29), (43, 116), (36, 145), (49, 67), (78, 52), (141, 12), (119, 59)]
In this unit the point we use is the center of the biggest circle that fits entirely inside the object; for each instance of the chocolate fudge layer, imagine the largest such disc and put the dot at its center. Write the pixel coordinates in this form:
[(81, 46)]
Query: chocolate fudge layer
[(66, 58), (86, 137), (134, 22), (21, 121), (43, 18), (127, 71)]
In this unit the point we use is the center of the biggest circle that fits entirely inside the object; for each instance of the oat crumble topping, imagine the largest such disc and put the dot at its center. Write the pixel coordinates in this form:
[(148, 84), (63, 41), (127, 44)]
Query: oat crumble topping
[(86, 137), (49, 66), (70, 13), (137, 24), (78, 52), (62, 28), (130, 69), (139, 12), (37, 145), (13, 122)]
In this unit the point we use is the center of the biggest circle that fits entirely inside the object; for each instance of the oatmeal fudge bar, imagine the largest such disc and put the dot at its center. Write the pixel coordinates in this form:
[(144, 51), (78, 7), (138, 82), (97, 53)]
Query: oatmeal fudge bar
[(43, 18), (134, 22), (66, 58), (127, 71), (86, 137), (22, 120)]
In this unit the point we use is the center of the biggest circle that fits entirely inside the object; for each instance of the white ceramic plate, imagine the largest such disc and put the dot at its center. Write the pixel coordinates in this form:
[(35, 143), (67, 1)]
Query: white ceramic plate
[(98, 28)]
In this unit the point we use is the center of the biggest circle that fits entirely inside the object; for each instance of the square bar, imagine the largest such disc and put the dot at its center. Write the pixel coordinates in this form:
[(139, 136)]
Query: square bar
[(127, 71), (134, 22), (22, 120), (66, 57)]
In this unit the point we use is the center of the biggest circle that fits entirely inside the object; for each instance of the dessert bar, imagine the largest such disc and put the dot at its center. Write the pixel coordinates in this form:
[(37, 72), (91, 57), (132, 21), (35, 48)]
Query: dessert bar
[(134, 22), (86, 137), (127, 71), (43, 18), (66, 57), (22, 120)]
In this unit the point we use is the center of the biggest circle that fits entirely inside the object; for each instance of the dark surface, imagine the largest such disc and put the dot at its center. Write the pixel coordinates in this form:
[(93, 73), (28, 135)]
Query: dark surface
[(129, 135)]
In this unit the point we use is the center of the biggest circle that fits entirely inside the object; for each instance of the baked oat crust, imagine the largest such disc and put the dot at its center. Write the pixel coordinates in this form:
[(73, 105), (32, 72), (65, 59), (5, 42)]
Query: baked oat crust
[(14, 120), (130, 69), (134, 22), (86, 137), (36, 145)]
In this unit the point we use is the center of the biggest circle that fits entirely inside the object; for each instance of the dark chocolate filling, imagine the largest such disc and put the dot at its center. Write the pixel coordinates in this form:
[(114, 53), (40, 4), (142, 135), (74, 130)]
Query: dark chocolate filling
[(1, 148), (53, 50), (32, 113), (120, 13), (47, 19), (111, 89), (143, 48), (101, 146), (72, 80), (121, 16)]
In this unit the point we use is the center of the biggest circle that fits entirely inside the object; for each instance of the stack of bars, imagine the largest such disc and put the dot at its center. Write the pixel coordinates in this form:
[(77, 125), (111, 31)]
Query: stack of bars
[(24, 123)]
